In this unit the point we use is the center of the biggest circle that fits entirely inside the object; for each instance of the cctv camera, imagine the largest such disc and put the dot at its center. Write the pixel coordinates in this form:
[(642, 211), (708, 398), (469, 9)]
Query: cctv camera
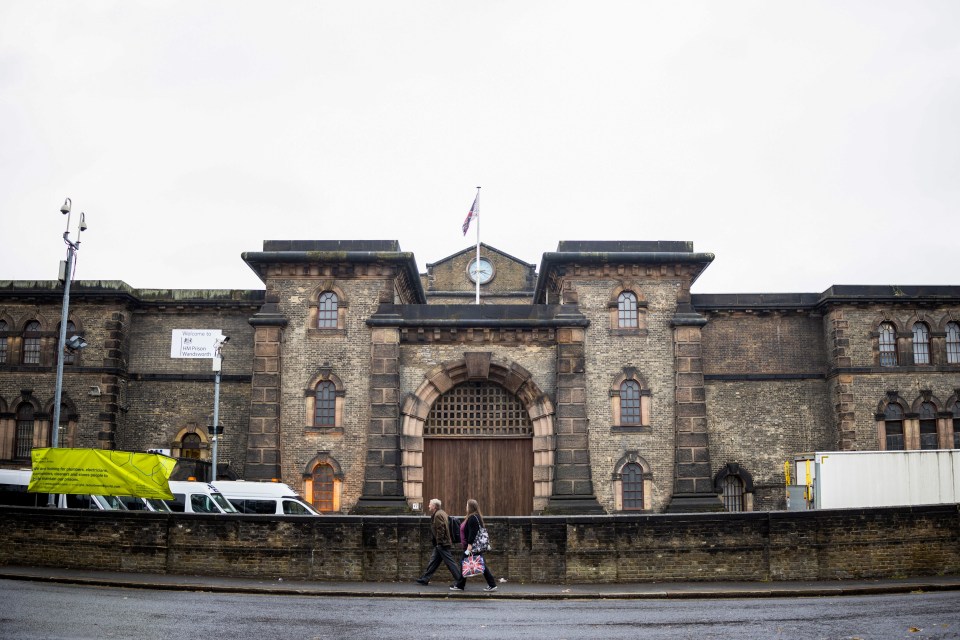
[(225, 338), (65, 209), (83, 221)]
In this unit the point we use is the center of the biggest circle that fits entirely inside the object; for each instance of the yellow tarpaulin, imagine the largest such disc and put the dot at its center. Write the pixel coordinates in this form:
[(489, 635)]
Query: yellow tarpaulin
[(101, 472)]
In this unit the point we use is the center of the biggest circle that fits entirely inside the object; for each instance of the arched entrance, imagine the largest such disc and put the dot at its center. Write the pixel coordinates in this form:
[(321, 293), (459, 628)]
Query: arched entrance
[(477, 444), (479, 429)]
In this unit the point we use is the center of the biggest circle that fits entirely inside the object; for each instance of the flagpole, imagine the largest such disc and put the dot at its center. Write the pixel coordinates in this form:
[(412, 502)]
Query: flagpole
[(477, 279)]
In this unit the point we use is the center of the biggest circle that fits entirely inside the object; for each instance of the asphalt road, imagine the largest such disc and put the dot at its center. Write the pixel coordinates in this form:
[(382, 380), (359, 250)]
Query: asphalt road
[(31, 610)]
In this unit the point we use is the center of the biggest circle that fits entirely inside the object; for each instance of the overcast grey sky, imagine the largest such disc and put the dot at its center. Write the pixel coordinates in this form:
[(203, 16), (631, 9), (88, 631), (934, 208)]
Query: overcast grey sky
[(804, 143)]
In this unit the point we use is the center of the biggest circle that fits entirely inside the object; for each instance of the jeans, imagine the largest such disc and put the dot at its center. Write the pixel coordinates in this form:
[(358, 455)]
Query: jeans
[(441, 553)]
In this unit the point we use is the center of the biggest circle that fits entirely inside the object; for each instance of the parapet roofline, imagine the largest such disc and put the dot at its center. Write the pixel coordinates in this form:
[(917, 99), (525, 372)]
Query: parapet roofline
[(258, 260), (555, 259), (836, 294)]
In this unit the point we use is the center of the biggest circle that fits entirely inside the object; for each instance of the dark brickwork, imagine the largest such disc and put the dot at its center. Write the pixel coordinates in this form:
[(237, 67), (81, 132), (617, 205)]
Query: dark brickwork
[(728, 381), (811, 545)]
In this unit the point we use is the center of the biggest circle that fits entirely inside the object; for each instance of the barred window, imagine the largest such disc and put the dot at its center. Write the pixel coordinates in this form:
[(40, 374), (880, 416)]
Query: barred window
[(3, 341), (327, 310), (733, 493), (323, 488), (921, 343), (31, 343), (632, 478), (24, 435), (478, 409), (893, 427), (928, 426), (888, 345), (627, 310), (953, 343), (326, 407), (630, 402), (956, 425)]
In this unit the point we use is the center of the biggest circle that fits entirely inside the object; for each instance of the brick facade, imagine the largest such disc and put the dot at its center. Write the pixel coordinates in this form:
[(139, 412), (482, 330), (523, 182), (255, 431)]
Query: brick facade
[(727, 383)]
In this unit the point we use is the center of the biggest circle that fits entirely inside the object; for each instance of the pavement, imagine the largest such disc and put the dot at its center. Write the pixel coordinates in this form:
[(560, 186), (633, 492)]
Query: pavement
[(439, 587)]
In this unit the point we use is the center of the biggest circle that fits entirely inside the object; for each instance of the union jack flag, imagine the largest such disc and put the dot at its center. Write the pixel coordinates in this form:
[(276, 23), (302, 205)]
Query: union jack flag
[(474, 212), (471, 566)]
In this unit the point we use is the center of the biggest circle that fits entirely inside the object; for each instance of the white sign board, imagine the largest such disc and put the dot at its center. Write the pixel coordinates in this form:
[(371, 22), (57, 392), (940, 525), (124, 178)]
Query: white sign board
[(194, 343)]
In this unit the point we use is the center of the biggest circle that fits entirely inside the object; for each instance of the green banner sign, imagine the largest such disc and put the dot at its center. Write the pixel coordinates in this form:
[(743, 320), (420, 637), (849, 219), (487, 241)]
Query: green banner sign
[(101, 472)]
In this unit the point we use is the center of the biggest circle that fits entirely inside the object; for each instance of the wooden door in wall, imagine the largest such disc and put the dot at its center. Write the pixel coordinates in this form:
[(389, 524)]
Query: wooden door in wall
[(496, 472)]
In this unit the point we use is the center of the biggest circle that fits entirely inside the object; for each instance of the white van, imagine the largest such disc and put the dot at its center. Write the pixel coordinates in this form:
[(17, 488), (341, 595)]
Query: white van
[(197, 497), (132, 503), (13, 491), (264, 498)]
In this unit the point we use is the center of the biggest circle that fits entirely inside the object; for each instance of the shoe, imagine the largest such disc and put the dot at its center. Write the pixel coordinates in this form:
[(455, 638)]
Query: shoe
[(493, 588), (422, 581), (455, 588)]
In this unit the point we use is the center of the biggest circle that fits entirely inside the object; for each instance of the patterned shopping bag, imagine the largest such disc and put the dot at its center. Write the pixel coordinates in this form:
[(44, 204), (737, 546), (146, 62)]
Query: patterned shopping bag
[(472, 566)]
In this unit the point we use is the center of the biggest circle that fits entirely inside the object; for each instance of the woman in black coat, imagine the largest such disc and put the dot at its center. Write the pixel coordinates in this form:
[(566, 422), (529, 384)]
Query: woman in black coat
[(469, 529)]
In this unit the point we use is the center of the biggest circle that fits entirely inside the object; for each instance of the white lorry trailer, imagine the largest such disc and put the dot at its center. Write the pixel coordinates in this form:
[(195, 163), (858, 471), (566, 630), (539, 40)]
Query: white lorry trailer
[(851, 479)]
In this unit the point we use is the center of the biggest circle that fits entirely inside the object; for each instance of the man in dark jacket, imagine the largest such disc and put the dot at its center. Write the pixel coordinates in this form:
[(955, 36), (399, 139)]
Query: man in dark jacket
[(440, 534)]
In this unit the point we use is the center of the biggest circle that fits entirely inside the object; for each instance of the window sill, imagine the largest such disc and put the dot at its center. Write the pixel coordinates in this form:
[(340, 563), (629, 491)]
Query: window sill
[(313, 332), (631, 429), (323, 431), (639, 332)]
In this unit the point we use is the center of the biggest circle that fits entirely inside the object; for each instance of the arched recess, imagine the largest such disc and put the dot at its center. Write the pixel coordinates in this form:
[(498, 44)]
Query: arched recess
[(478, 367), (742, 501), (69, 418), (200, 448), (313, 312), (327, 498), (613, 306), (632, 458), (17, 440)]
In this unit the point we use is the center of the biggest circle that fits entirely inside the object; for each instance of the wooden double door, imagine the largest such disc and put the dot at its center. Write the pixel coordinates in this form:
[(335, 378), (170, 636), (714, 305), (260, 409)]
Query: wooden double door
[(496, 472)]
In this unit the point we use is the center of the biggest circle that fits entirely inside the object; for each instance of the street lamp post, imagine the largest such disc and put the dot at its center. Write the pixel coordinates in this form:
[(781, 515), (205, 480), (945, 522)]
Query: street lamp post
[(217, 366), (67, 275)]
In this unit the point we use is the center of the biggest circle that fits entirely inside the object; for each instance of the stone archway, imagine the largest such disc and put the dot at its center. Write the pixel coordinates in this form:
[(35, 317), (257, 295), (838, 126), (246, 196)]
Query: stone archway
[(477, 367)]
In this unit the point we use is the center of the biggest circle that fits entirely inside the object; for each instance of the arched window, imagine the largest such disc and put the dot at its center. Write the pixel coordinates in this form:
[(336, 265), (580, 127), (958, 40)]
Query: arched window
[(956, 425), (327, 310), (64, 431), (928, 426), (893, 427), (630, 402), (627, 310), (3, 341), (323, 488), (921, 343), (735, 486), (24, 439), (888, 345), (190, 446), (953, 343), (69, 355), (325, 414), (31, 343), (632, 487), (733, 493)]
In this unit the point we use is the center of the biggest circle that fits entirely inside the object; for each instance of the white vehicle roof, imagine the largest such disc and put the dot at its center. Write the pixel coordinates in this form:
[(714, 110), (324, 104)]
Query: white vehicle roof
[(244, 489), (15, 476)]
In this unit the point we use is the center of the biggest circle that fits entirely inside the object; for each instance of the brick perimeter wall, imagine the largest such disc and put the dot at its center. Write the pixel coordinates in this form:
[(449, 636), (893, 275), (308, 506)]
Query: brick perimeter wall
[(824, 545)]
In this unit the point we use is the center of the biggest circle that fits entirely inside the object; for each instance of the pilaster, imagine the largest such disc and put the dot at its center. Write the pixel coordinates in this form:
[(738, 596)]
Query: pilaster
[(383, 484), (693, 485)]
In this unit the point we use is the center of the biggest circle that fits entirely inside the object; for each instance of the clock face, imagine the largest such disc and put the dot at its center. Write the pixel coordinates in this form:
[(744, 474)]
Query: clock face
[(481, 271)]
